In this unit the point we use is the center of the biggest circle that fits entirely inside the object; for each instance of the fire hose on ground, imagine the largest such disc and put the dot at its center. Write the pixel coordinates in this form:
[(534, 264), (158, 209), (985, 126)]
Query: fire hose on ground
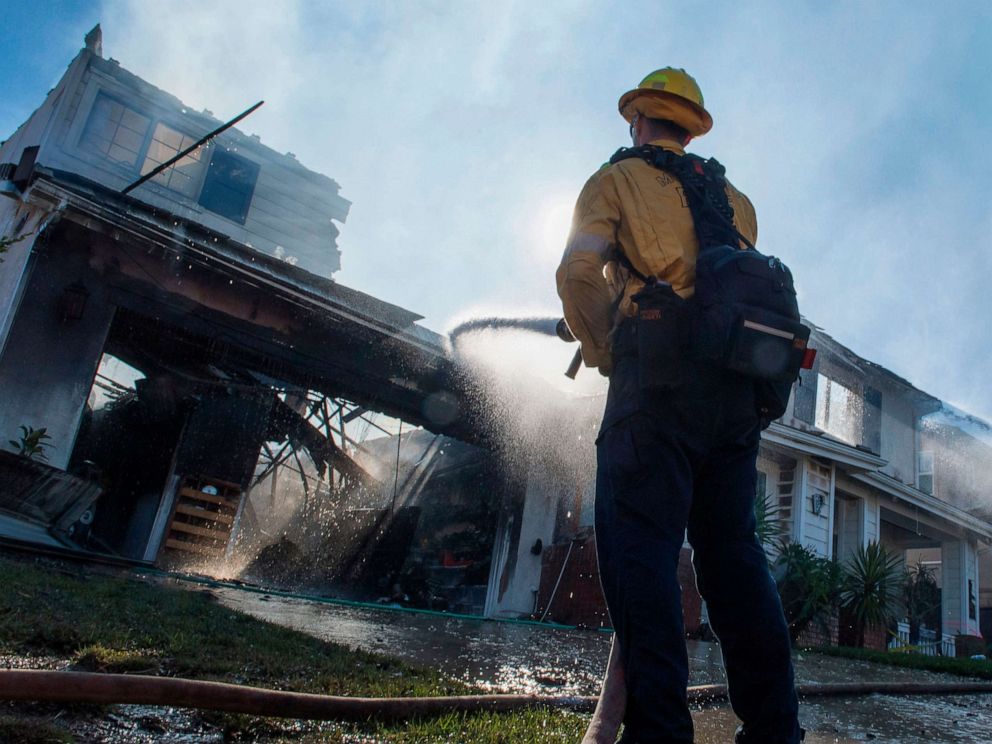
[(134, 689)]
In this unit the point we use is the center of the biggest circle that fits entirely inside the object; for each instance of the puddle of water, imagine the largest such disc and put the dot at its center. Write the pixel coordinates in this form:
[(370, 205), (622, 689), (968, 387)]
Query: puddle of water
[(504, 657), (497, 656), (887, 719)]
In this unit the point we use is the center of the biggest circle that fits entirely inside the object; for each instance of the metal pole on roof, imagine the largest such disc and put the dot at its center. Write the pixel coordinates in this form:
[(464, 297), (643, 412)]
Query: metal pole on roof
[(203, 140), (396, 475)]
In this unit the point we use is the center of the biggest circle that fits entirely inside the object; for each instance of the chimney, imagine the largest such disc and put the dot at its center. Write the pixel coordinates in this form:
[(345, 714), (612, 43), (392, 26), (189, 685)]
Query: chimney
[(94, 41)]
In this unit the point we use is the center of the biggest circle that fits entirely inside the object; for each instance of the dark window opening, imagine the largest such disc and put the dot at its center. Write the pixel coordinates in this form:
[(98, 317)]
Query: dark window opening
[(229, 185), (804, 395), (871, 420)]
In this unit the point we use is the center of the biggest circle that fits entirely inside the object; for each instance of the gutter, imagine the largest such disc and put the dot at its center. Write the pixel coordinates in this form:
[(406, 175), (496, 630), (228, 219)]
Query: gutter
[(926, 501), (786, 436)]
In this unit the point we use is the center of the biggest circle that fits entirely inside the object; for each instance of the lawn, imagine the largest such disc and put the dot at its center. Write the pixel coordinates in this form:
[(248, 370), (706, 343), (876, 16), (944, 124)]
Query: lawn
[(53, 612)]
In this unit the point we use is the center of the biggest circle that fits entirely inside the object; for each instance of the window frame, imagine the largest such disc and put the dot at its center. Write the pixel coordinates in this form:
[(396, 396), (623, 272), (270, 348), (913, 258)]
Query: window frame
[(201, 176), (847, 431), (227, 153), (104, 158), (156, 116)]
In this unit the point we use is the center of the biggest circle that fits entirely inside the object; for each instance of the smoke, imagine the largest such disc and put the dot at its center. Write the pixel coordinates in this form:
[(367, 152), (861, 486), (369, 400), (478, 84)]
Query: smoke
[(959, 450)]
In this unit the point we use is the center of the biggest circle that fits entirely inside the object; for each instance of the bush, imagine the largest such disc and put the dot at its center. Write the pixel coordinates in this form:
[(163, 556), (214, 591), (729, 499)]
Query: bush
[(809, 586), (871, 589)]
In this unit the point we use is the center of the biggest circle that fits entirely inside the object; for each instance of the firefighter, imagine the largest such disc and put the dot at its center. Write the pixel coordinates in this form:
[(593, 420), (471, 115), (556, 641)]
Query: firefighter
[(670, 460)]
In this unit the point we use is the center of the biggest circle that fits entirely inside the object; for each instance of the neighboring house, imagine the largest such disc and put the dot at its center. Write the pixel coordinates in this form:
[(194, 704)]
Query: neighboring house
[(860, 455)]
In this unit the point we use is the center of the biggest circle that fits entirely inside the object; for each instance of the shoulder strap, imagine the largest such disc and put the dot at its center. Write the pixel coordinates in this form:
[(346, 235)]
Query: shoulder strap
[(704, 183)]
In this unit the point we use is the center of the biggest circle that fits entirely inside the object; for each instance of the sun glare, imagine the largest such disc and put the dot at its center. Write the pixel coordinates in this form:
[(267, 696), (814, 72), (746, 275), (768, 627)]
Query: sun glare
[(556, 220)]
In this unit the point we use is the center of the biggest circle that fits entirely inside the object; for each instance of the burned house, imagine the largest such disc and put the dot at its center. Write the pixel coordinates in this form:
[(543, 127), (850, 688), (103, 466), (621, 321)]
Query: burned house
[(181, 341)]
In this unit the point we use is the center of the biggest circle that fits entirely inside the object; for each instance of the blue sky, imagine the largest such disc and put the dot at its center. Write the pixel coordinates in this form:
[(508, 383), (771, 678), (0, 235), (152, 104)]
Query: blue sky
[(462, 132)]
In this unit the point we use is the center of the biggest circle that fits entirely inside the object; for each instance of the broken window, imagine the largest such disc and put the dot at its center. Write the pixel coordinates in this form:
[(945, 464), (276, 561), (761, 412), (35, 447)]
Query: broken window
[(836, 410), (872, 423), (924, 471), (115, 131), (229, 185), (184, 176)]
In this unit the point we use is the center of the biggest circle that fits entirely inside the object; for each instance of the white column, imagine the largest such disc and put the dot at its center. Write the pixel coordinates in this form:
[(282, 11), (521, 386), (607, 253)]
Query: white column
[(830, 507), (799, 500), (953, 604)]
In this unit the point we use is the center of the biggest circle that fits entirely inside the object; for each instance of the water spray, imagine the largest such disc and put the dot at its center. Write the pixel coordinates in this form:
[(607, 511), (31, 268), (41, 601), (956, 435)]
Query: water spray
[(544, 326)]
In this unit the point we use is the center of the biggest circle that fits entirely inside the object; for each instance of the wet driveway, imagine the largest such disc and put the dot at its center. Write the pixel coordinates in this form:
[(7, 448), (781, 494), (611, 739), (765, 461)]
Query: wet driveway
[(528, 658)]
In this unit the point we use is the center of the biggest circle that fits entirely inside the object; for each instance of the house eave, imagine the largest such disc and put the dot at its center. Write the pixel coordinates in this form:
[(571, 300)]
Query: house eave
[(786, 437), (50, 191), (927, 502)]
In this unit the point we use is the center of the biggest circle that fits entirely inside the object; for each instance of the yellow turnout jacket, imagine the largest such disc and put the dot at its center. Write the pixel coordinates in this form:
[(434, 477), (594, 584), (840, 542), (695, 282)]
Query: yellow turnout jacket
[(634, 208)]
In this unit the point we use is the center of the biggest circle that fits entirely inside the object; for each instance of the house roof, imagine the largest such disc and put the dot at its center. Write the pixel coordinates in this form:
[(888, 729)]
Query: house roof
[(67, 189), (948, 415)]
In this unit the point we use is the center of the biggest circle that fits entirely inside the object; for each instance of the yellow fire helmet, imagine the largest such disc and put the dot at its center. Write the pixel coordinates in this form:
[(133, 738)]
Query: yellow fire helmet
[(669, 93)]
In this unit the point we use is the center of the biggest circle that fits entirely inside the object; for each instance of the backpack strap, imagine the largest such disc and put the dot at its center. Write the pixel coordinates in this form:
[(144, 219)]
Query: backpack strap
[(704, 183)]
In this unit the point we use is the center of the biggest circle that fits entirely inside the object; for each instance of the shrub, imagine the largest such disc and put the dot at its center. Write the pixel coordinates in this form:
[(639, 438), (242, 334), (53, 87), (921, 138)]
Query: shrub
[(809, 586), (871, 589)]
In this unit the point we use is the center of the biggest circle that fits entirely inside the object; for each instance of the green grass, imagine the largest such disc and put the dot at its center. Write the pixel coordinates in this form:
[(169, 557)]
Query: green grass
[(31, 731), (947, 664), (122, 624)]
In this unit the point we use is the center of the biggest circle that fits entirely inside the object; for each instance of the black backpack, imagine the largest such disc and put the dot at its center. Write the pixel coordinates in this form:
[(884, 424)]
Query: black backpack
[(744, 315)]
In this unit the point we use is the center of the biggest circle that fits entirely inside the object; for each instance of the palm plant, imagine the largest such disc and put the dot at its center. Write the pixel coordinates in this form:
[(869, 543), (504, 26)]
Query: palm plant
[(871, 589), (7, 241), (809, 586), (768, 523), (31, 443)]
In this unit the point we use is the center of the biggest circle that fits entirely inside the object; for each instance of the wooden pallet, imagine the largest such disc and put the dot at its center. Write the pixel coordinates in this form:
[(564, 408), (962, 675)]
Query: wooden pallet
[(201, 521)]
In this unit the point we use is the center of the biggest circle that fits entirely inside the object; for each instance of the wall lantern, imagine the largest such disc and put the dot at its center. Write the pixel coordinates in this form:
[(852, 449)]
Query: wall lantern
[(72, 303), (816, 501)]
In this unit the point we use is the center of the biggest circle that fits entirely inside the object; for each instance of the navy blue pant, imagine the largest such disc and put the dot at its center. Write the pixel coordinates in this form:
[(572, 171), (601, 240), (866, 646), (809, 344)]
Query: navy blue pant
[(683, 459)]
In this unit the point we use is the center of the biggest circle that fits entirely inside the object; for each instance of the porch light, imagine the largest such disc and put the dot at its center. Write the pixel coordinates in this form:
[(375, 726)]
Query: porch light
[(816, 501), (72, 303)]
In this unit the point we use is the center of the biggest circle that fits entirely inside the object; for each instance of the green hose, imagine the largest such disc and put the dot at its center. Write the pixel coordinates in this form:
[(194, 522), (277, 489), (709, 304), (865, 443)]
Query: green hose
[(220, 584)]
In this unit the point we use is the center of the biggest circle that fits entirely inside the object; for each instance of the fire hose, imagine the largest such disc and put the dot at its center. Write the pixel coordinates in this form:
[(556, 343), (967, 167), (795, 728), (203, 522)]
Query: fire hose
[(545, 326), (134, 689)]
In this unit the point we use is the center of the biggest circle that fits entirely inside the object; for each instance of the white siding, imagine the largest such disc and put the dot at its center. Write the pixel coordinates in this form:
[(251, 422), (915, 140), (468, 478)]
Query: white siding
[(898, 436), (951, 579), (971, 574), (537, 522), (772, 472), (871, 522), (850, 527), (789, 499), (816, 527)]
